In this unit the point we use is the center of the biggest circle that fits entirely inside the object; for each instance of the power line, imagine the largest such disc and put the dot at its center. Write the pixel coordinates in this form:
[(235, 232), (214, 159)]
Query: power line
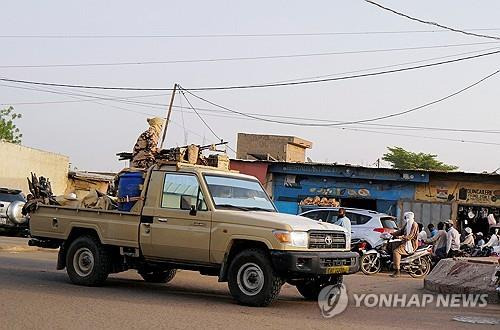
[(296, 79), (199, 116), (355, 121), (227, 35), (422, 137), (352, 129), (211, 111), (244, 58), (432, 23), (294, 83)]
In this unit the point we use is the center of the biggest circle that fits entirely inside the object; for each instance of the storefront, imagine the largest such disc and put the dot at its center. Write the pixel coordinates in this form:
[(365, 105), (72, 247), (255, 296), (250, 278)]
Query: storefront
[(353, 186), (471, 196)]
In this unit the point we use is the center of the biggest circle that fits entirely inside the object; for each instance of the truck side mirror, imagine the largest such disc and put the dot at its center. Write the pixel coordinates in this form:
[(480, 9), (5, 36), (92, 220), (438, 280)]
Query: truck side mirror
[(186, 202)]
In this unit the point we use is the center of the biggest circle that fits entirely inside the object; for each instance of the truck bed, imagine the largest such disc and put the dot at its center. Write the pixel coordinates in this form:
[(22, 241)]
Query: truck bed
[(113, 227)]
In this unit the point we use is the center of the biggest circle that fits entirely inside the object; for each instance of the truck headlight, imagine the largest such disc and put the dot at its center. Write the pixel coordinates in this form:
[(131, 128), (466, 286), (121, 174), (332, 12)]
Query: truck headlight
[(293, 238)]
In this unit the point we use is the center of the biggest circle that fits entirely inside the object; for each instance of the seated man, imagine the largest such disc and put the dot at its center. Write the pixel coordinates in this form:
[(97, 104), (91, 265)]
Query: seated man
[(409, 241)]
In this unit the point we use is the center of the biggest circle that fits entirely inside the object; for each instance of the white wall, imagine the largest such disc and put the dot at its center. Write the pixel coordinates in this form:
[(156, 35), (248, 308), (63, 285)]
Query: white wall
[(17, 162)]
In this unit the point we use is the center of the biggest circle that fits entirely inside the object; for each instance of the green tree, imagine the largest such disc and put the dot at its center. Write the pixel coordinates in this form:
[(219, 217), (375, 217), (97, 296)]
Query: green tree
[(403, 159), (8, 130)]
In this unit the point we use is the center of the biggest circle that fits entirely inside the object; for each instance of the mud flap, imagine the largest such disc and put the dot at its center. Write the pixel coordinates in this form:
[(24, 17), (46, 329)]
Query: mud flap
[(61, 257)]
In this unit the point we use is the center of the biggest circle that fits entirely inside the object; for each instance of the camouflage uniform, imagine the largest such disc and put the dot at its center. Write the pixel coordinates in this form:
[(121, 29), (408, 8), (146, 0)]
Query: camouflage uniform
[(145, 149)]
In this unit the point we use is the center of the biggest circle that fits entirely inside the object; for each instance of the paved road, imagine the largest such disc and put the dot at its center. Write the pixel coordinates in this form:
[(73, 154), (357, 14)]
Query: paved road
[(36, 296)]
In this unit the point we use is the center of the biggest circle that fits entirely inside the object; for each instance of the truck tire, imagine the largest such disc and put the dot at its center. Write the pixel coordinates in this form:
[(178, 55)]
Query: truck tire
[(159, 276), (87, 261), (252, 280), (311, 288)]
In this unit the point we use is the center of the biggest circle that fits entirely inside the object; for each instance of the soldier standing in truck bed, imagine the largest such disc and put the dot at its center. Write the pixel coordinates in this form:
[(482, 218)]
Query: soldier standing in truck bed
[(145, 149)]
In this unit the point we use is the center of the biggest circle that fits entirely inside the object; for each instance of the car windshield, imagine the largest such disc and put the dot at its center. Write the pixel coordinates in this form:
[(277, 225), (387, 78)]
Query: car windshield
[(239, 194), (6, 197)]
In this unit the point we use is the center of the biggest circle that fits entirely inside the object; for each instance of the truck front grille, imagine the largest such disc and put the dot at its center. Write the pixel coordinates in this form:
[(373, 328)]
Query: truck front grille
[(327, 240)]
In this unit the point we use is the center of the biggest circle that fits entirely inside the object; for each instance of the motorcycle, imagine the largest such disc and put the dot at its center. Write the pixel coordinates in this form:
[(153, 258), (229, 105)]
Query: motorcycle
[(417, 264), (358, 246)]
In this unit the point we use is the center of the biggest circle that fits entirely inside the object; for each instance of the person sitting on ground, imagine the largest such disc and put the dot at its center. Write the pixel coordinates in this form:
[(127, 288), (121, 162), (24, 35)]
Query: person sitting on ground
[(422, 235), (432, 230), (438, 242), (452, 240), (468, 241), (409, 241), (343, 221), (480, 239)]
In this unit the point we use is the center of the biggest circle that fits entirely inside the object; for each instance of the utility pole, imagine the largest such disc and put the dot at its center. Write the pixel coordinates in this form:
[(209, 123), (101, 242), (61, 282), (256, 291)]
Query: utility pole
[(169, 112)]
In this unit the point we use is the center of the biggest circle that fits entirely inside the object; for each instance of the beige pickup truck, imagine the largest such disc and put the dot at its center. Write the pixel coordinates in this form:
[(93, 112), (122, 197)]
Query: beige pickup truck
[(217, 222)]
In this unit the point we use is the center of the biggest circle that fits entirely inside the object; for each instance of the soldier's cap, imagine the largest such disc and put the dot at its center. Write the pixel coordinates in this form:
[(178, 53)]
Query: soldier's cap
[(156, 121)]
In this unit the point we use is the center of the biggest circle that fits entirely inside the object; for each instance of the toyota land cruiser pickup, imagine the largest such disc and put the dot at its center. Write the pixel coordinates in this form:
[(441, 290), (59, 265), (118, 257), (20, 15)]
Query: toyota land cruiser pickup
[(218, 222)]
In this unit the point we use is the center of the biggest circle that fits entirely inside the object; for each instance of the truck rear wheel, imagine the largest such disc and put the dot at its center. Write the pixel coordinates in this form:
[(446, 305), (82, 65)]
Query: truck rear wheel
[(311, 288), (87, 261), (159, 276), (252, 280)]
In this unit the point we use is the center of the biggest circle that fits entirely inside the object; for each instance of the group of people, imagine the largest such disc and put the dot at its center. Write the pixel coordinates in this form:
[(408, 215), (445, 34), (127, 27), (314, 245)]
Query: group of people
[(448, 242)]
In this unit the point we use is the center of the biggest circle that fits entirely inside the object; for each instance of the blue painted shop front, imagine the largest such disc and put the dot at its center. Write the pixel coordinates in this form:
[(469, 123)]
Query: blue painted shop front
[(360, 187)]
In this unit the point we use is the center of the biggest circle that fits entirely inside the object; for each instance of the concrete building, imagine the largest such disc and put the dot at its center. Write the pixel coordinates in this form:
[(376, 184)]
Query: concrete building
[(19, 161), (272, 147)]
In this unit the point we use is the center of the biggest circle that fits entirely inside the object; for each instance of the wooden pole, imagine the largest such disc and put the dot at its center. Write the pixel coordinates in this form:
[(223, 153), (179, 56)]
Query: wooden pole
[(169, 112)]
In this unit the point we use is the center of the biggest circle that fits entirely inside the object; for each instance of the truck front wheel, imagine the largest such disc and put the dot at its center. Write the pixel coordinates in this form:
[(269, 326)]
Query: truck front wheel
[(252, 280), (311, 288), (159, 276), (87, 261)]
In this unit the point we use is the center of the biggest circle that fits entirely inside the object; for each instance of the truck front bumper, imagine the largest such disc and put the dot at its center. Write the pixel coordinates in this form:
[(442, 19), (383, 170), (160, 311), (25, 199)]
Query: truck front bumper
[(315, 262)]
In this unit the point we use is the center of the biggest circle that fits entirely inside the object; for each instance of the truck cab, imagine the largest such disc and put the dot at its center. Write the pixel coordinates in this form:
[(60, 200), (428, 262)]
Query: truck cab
[(217, 222)]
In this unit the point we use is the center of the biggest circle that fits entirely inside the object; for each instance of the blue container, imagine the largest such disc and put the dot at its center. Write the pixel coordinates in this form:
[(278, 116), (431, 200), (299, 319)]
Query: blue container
[(129, 186)]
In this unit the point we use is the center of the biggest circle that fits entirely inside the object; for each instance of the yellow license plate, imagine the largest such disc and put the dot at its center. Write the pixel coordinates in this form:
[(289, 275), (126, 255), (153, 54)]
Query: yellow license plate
[(337, 270)]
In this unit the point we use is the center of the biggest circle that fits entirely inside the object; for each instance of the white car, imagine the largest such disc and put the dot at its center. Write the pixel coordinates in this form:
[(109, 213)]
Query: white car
[(366, 225)]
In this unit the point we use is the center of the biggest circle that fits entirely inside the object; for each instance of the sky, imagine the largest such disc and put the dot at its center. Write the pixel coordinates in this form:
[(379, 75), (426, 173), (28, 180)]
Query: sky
[(92, 130)]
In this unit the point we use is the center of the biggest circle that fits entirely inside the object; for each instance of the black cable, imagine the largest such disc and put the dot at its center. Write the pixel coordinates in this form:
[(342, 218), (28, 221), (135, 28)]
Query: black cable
[(244, 58), (432, 23), (422, 137), (303, 82), (227, 35), (355, 121), (161, 106), (201, 118)]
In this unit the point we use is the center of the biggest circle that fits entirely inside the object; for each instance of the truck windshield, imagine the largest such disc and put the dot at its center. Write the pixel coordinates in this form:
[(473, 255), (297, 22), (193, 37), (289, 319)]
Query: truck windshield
[(240, 194)]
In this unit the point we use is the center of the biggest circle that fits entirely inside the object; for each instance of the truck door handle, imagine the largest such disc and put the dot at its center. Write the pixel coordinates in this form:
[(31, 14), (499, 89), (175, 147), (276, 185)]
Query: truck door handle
[(162, 219), (199, 224)]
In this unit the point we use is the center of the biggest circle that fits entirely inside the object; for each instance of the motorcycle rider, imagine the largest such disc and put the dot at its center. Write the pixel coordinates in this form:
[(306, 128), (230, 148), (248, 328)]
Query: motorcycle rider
[(468, 241), (409, 241)]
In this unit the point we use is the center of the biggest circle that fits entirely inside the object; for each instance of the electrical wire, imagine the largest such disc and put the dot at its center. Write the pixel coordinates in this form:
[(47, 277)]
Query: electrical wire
[(422, 137), (294, 83), (244, 58), (228, 35), (425, 105), (432, 23), (211, 112), (201, 118)]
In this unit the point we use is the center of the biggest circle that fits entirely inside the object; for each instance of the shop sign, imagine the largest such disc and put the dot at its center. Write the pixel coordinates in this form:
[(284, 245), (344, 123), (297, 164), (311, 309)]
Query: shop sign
[(344, 192), (465, 193)]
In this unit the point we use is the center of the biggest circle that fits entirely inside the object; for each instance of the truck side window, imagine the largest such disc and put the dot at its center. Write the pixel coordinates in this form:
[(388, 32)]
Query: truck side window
[(177, 186)]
